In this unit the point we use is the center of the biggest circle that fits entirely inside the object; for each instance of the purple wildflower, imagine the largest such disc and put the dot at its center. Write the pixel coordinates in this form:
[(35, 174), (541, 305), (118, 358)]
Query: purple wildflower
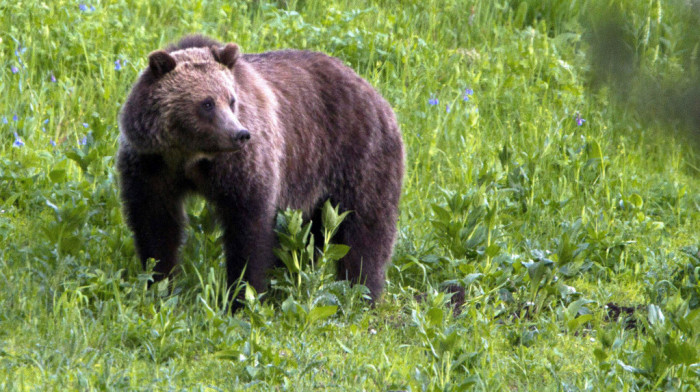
[(467, 93), (83, 141), (447, 108), (18, 141), (579, 120), (83, 7), (53, 78), (14, 69), (433, 101), (117, 65)]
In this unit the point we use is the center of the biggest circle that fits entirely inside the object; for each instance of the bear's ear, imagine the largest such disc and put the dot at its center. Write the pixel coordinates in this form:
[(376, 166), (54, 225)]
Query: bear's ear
[(160, 63), (226, 55)]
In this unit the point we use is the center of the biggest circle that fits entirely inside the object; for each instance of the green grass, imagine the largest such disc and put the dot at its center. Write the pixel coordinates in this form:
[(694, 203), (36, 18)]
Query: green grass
[(543, 221)]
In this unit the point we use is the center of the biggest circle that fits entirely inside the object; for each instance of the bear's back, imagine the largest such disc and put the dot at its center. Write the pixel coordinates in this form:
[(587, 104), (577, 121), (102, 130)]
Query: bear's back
[(297, 68)]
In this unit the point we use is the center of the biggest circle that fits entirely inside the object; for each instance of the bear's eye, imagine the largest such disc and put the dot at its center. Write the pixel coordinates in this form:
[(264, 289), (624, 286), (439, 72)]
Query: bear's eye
[(208, 104), (232, 103)]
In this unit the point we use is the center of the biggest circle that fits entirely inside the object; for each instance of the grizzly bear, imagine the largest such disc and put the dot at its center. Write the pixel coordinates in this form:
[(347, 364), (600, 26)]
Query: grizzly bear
[(253, 134)]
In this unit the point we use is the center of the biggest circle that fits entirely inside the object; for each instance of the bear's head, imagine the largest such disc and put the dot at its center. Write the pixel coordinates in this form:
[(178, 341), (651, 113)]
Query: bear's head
[(185, 103)]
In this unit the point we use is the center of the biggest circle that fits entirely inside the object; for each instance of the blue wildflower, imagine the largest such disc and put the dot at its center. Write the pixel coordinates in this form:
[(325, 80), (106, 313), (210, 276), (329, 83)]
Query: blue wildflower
[(52, 143), (467, 93), (117, 65), (14, 69), (46, 121), (433, 101), (85, 125), (579, 120), (92, 8), (4, 120), (83, 141), (18, 141), (447, 108), (83, 7), (15, 118)]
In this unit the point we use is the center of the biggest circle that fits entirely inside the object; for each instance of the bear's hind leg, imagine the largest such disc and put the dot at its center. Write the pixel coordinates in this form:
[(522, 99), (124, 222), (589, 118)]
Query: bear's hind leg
[(371, 243)]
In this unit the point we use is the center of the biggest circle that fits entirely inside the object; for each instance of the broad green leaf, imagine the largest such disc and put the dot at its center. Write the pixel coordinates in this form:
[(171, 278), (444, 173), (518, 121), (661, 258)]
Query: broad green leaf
[(574, 324), (636, 201), (336, 251), (594, 150), (681, 352), (322, 312), (442, 213), (435, 315)]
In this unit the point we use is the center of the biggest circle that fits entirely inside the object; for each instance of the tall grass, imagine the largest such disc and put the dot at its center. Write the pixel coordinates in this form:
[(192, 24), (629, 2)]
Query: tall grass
[(553, 183)]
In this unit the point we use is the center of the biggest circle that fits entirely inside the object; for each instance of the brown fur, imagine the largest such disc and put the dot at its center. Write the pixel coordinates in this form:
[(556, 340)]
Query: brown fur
[(316, 129)]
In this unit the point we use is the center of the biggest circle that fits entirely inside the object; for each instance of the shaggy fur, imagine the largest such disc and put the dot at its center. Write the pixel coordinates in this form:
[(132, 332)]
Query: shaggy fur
[(255, 133)]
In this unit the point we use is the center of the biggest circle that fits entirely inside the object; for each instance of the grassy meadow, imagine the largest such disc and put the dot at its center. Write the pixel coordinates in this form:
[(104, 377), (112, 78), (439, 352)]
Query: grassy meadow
[(552, 171)]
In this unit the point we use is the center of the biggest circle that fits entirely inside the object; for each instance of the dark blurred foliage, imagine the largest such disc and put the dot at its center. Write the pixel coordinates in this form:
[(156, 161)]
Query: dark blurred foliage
[(649, 62)]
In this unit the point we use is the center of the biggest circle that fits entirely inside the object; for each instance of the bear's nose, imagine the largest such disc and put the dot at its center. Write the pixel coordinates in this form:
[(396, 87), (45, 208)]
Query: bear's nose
[(241, 134)]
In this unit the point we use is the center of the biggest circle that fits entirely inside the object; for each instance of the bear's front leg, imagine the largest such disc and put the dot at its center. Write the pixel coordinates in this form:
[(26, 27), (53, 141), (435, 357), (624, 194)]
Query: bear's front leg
[(249, 239), (153, 205)]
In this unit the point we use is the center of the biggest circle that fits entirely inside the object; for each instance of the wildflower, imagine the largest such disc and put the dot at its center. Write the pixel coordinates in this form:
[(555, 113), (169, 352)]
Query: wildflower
[(14, 69), (52, 143), (117, 65), (83, 141), (447, 108), (15, 118), (85, 125), (83, 7), (92, 8), (18, 141), (53, 78), (4, 120), (433, 101), (46, 121), (467, 93), (579, 120)]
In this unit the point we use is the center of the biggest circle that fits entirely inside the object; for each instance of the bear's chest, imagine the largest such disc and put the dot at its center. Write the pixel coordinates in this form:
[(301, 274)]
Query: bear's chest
[(199, 172)]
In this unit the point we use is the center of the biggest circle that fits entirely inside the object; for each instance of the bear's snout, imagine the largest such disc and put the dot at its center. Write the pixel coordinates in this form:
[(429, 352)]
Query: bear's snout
[(241, 135)]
